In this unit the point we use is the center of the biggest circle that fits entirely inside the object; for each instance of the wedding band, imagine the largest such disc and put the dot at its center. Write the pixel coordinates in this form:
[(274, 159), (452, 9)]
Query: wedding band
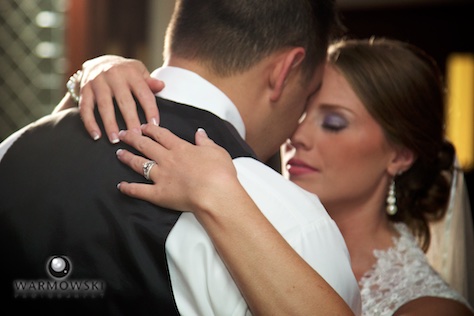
[(147, 168)]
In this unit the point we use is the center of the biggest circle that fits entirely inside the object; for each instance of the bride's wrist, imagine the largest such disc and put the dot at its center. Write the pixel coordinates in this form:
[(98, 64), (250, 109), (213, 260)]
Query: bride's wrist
[(73, 86), (224, 203)]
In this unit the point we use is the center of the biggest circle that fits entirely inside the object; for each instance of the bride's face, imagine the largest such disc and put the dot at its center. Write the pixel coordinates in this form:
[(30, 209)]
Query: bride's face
[(341, 153)]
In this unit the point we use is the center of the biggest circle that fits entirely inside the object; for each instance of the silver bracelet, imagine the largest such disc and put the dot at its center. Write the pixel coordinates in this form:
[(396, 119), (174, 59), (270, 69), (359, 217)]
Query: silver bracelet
[(72, 83)]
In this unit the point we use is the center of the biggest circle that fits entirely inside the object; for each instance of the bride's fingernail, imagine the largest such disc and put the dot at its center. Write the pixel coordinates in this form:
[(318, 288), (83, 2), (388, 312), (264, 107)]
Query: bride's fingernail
[(118, 186), (154, 121), (95, 135), (122, 133), (202, 131), (114, 138), (119, 152)]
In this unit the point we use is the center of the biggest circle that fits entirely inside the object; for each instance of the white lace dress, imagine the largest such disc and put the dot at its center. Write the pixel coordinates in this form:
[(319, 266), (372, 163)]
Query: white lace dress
[(400, 275)]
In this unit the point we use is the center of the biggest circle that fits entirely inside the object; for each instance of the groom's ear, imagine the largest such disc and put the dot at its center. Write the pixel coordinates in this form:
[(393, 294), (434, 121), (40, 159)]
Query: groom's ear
[(285, 65)]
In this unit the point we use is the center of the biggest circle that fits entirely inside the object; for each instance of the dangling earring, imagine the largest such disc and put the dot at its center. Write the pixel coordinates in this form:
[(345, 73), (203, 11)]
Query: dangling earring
[(391, 200)]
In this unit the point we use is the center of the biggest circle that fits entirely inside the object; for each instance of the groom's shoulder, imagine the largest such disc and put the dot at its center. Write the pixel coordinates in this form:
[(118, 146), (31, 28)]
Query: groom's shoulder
[(276, 193)]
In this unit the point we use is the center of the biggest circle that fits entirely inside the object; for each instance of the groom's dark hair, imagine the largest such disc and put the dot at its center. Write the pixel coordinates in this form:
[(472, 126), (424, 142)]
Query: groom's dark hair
[(229, 36)]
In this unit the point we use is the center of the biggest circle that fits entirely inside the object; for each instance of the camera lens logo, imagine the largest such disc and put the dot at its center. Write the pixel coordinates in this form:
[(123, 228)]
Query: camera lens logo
[(59, 267)]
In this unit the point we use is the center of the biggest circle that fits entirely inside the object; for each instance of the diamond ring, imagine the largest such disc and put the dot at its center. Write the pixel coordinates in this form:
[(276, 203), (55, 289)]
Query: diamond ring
[(147, 168)]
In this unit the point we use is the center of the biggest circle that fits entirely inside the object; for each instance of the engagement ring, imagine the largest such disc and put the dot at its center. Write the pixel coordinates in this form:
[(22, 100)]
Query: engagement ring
[(147, 168)]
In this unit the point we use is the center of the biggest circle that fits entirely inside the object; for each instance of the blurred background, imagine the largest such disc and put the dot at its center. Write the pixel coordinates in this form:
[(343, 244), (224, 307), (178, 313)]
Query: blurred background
[(43, 42)]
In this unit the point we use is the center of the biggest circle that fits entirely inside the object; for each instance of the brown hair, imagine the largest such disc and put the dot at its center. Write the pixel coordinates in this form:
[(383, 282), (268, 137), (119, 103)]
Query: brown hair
[(403, 90), (229, 36)]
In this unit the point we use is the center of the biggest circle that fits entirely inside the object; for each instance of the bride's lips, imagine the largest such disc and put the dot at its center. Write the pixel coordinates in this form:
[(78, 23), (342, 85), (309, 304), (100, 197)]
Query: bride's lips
[(297, 167)]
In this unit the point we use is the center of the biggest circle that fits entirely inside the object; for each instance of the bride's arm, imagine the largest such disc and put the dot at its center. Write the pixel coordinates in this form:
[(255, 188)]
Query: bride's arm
[(272, 277)]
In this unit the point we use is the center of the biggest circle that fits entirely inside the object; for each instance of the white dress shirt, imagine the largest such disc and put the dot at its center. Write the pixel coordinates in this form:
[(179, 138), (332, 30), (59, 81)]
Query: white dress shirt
[(201, 283)]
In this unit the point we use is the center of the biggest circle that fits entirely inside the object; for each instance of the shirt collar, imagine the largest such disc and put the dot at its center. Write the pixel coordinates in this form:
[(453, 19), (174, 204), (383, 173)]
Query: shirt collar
[(186, 87)]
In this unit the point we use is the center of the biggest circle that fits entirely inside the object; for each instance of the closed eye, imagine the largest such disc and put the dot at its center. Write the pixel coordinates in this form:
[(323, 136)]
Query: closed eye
[(334, 122)]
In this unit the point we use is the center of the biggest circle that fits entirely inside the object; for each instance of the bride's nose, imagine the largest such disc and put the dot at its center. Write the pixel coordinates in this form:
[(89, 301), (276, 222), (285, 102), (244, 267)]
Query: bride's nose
[(301, 138)]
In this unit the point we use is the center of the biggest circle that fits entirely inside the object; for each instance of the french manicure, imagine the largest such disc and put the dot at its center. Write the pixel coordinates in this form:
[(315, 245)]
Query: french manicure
[(202, 131), (114, 138), (95, 135), (154, 121)]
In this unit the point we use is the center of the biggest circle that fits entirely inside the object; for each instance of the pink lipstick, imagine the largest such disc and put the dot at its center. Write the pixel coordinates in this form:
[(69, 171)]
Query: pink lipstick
[(297, 167)]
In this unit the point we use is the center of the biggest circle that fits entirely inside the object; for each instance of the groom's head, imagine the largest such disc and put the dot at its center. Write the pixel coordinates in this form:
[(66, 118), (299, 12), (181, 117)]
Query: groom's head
[(263, 54)]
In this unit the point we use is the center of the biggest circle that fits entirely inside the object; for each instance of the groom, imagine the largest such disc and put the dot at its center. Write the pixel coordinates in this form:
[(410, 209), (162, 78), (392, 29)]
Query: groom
[(73, 243)]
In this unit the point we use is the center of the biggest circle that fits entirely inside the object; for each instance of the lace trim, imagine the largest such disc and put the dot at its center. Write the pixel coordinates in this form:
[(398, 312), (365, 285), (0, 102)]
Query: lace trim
[(401, 274)]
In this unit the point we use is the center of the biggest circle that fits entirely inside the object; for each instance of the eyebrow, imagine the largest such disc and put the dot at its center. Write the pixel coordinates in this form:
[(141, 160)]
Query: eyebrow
[(330, 106)]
